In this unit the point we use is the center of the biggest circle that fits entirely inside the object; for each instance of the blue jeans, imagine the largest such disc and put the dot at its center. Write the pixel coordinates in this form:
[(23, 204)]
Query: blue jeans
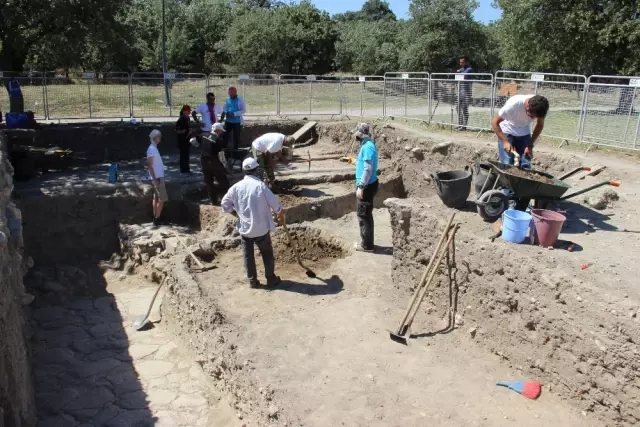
[(519, 143)]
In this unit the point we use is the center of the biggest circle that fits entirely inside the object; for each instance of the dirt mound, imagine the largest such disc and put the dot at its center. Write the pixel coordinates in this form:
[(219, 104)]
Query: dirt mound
[(312, 246), (522, 173)]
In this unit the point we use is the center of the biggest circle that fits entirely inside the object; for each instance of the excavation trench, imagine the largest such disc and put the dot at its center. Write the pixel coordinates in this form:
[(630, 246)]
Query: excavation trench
[(307, 339)]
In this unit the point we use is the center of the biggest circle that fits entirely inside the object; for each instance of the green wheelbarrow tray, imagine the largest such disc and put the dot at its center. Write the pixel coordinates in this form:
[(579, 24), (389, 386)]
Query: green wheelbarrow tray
[(525, 188)]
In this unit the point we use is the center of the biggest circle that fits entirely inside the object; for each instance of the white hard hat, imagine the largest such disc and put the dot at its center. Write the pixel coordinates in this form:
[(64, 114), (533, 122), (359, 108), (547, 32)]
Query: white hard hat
[(249, 164), (217, 126)]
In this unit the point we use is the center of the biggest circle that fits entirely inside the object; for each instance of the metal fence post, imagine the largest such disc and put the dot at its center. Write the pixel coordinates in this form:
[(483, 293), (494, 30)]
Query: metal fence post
[(626, 128), (384, 97), (404, 89), (45, 99), (310, 96), (130, 95), (278, 94), (89, 96), (635, 140)]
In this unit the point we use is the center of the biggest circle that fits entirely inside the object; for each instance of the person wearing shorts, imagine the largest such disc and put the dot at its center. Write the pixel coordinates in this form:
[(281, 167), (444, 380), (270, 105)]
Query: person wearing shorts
[(156, 172)]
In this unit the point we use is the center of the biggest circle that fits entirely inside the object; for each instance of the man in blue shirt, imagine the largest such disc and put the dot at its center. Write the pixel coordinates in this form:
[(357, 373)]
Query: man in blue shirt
[(232, 113), (464, 93), (367, 182)]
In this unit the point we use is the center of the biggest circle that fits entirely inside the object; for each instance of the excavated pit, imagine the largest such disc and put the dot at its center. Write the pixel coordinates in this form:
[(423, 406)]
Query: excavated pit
[(530, 308)]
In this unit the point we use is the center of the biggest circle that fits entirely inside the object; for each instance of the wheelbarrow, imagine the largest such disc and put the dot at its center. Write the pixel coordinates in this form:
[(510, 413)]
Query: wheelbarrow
[(507, 186), (235, 156)]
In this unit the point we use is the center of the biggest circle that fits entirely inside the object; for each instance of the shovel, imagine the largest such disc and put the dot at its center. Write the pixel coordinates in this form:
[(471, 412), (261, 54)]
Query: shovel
[(309, 272), (142, 321)]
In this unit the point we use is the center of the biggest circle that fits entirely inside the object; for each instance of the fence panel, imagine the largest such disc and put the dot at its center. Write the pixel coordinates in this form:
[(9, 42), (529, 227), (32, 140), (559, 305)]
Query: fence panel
[(406, 95), (33, 92), (67, 95), (612, 111), (363, 96), (109, 95), (259, 91), (309, 95), (461, 100), (148, 97), (565, 93), (187, 89)]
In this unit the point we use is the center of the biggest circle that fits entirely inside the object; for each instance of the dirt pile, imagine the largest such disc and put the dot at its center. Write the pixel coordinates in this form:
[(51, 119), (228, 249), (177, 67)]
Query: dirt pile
[(312, 245), (522, 173), (542, 317)]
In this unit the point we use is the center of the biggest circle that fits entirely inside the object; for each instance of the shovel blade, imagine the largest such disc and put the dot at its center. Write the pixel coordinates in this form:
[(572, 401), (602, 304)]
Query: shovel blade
[(140, 322), (402, 339)]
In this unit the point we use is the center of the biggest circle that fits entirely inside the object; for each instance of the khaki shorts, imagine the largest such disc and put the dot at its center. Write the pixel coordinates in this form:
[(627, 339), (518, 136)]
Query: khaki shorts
[(160, 190)]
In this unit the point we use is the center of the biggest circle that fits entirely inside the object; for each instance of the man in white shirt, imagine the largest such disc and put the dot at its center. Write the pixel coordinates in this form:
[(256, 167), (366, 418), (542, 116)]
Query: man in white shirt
[(252, 203), (513, 123), (156, 172), (264, 148), (209, 111)]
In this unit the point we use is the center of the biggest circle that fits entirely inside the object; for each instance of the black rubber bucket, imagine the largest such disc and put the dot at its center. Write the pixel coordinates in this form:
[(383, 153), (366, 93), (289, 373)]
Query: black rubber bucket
[(484, 172), (453, 187)]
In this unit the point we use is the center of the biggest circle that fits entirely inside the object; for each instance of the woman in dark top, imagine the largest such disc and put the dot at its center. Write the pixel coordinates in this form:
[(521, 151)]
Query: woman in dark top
[(184, 133)]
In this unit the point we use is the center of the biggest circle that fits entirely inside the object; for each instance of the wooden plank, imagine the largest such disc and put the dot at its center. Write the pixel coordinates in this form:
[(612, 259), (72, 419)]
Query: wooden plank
[(304, 129)]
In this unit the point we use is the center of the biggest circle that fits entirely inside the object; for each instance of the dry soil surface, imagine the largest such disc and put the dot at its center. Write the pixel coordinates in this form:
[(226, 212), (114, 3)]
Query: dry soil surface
[(323, 346)]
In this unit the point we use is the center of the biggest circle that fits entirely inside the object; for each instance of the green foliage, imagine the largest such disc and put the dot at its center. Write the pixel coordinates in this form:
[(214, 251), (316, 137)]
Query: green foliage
[(276, 36), (297, 39), (574, 36)]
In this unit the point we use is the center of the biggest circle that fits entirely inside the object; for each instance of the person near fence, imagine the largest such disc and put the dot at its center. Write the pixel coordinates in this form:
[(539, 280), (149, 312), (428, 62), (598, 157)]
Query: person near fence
[(183, 132), (209, 112), (251, 201), (367, 185), (156, 173), (212, 166), (265, 149), (464, 93), (233, 112)]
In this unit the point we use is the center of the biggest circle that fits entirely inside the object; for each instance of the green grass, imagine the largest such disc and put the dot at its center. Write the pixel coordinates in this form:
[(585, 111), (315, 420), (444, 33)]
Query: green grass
[(350, 98)]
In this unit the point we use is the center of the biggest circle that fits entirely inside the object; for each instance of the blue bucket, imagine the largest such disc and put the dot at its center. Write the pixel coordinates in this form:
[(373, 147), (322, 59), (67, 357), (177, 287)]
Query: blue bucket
[(515, 225)]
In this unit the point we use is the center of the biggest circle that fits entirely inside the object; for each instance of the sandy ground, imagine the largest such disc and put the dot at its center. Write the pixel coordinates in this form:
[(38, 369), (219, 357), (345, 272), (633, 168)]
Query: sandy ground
[(323, 344)]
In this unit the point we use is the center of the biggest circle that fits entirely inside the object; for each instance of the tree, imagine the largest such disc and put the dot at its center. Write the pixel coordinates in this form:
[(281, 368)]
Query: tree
[(367, 47), (371, 10), (296, 39), (573, 36), (439, 31)]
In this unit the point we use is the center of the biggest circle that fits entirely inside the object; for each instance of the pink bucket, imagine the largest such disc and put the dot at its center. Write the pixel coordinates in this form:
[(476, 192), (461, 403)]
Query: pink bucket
[(547, 226)]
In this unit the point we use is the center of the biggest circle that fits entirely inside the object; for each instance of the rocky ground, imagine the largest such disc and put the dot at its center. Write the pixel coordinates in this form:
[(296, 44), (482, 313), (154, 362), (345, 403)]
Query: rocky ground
[(93, 369)]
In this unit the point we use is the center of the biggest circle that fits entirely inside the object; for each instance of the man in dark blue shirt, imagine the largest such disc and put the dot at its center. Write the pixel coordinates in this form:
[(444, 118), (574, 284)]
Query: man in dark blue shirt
[(464, 93)]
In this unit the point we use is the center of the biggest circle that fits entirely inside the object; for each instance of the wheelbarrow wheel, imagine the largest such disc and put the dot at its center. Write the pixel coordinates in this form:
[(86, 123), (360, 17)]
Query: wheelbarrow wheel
[(491, 205)]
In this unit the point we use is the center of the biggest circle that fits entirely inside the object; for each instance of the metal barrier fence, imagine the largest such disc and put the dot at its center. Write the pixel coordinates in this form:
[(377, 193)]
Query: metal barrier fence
[(406, 95), (565, 93), (461, 100), (602, 110), (611, 113), (259, 91)]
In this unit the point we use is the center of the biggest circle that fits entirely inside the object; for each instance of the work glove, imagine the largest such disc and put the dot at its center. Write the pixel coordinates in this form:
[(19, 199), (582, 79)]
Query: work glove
[(359, 193)]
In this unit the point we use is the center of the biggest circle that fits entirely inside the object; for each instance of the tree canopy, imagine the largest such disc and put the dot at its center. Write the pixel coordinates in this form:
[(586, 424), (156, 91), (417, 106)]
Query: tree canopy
[(271, 36)]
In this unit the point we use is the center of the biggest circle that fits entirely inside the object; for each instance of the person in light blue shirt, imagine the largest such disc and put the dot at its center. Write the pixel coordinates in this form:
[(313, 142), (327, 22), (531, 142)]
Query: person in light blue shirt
[(232, 113), (367, 185)]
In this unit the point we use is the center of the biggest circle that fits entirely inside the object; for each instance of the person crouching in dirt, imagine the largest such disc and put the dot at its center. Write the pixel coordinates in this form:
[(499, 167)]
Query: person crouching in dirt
[(264, 148), (212, 167), (251, 201), (367, 182), (512, 126)]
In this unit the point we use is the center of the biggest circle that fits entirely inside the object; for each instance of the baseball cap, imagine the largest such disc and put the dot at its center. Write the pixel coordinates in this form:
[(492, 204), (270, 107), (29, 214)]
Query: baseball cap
[(249, 164), (217, 126)]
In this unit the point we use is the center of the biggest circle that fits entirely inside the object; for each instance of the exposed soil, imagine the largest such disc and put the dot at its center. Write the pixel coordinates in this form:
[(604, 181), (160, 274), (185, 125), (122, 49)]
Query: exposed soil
[(312, 245), (530, 175)]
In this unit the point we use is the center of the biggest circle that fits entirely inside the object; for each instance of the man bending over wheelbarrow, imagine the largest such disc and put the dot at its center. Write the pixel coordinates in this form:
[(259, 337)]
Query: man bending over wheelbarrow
[(264, 148), (512, 125)]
